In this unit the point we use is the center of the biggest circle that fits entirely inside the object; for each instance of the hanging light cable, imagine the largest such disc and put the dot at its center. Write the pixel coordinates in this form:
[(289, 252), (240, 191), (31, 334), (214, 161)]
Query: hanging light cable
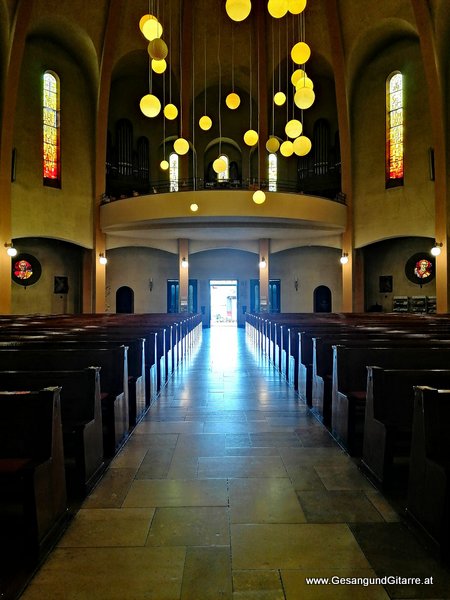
[(219, 165), (280, 97), (251, 136), (272, 143), (170, 110), (232, 100), (181, 146), (259, 196), (205, 122)]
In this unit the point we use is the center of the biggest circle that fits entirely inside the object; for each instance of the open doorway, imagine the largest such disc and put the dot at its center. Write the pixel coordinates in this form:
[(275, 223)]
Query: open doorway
[(223, 297)]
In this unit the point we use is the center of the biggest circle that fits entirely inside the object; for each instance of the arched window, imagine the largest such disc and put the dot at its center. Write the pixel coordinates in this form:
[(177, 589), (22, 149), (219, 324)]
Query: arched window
[(273, 172), (173, 172), (51, 130), (224, 175), (394, 129)]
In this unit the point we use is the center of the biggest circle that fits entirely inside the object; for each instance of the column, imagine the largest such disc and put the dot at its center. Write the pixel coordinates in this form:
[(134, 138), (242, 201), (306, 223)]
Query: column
[(264, 246), (183, 270)]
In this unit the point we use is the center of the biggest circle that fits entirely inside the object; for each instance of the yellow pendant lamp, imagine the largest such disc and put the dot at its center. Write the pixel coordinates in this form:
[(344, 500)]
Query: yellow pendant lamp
[(164, 165), (157, 49), (277, 8), (170, 112), (251, 137), (238, 10), (302, 145), (159, 66), (181, 146), (296, 7), (150, 105), (205, 123), (300, 53), (287, 148), (151, 27), (279, 98), (219, 165), (304, 98), (259, 197), (272, 145), (232, 101), (293, 128)]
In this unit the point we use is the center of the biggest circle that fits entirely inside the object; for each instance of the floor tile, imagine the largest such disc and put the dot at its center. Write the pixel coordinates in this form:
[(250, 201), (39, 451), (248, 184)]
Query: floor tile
[(257, 585), (295, 546), (338, 507), (239, 466), (216, 562), (111, 490), (191, 526), (177, 492)]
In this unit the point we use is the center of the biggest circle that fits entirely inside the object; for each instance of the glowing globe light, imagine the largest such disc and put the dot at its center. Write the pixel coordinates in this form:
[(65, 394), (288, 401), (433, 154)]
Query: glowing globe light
[(205, 123), (297, 75), (157, 49), (251, 137), (181, 146), (277, 8), (436, 249), (287, 148), (194, 207), (151, 28), (302, 145), (305, 82), (259, 197), (159, 66), (272, 144), (232, 101), (293, 128), (170, 112), (300, 53), (142, 20), (164, 165), (279, 98), (344, 259), (295, 7), (150, 105), (304, 98), (219, 165), (238, 10)]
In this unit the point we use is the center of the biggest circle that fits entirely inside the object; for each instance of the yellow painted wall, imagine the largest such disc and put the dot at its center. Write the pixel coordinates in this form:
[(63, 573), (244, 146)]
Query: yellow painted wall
[(406, 210), (64, 213)]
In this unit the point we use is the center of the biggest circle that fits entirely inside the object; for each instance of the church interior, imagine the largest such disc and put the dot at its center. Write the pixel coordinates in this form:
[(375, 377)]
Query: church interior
[(214, 160)]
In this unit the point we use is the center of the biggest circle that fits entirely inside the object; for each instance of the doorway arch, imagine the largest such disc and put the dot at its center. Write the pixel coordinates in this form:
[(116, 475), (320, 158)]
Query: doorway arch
[(125, 300), (322, 299)]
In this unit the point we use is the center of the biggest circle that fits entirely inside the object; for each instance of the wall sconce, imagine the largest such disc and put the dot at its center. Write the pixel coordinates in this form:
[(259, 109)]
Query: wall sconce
[(436, 249), (102, 259), (262, 263), (184, 263), (296, 284), (10, 250), (344, 258)]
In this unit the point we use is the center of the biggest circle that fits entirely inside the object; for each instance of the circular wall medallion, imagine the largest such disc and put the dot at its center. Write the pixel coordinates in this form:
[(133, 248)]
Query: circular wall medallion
[(420, 268), (25, 269)]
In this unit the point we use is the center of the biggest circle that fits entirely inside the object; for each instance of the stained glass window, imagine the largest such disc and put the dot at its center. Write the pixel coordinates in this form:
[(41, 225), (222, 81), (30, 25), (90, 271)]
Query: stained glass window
[(50, 121), (173, 172), (224, 175), (273, 172), (394, 129)]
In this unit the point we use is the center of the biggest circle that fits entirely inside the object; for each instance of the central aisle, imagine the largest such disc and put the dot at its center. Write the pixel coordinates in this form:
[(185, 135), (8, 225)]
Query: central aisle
[(230, 489)]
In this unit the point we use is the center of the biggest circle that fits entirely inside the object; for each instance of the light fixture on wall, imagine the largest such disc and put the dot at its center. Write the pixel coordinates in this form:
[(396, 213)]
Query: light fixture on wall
[(10, 250), (150, 284), (262, 263), (436, 249), (344, 258), (184, 263), (296, 284), (102, 259)]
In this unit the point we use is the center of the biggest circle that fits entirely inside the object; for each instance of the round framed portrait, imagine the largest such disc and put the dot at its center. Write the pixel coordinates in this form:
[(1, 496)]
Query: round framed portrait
[(25, 269), (420, 268)]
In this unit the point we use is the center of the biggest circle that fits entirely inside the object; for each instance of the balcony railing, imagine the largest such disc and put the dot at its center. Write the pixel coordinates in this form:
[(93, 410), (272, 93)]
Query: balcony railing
[(324, 185)]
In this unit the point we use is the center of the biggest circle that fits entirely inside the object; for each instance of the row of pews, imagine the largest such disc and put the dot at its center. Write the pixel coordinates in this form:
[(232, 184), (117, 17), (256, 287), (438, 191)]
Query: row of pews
[(72, 388), (380, 383)]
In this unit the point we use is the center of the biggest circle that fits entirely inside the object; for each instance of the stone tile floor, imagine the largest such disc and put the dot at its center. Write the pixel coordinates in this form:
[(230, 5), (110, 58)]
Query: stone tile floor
[(229, 489)]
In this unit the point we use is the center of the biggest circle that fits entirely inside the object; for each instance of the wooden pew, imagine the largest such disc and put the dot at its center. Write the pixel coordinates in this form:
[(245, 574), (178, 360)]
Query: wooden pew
[(81, 417), (113, 381), (350, 383), (70, 340), (33, 498), (388, 420), (429, 481)]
